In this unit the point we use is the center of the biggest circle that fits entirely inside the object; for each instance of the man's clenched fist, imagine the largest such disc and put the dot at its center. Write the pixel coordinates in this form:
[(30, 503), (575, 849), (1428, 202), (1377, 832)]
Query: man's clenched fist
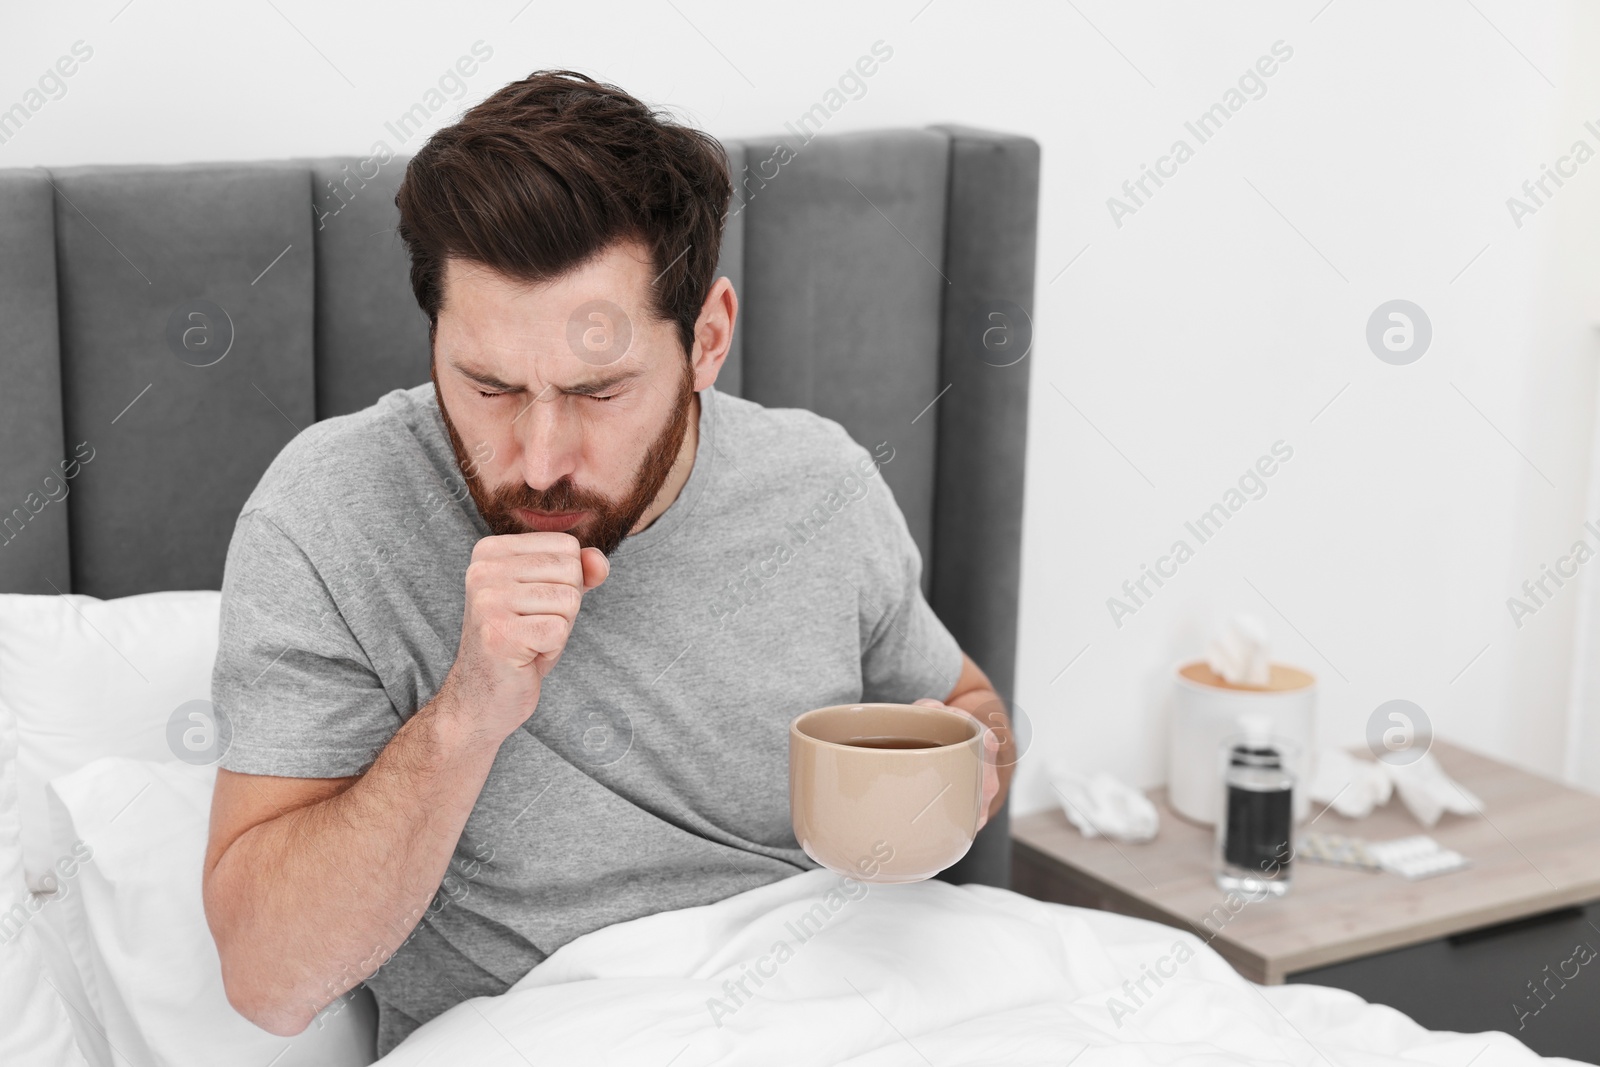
[(523, 594)]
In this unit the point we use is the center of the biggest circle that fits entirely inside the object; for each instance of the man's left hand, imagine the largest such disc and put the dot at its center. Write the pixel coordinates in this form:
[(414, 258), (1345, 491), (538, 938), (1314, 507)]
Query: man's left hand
[(991, 752)]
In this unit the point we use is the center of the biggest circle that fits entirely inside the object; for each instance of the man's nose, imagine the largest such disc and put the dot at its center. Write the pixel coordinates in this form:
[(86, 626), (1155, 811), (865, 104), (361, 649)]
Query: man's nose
[(549, 435)]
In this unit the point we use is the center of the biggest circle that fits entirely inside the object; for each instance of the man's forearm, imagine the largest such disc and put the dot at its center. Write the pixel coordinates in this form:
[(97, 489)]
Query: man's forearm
[(306, 905)]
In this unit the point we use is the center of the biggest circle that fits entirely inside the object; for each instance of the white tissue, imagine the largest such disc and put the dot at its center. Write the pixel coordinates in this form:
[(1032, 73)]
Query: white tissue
[(1353, 787), (1350, 786), (1101, 805), (1240, 653), (1429, 792)]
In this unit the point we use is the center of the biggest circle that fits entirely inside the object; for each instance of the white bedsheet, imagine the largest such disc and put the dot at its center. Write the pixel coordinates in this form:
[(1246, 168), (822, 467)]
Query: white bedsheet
[(923, 974)]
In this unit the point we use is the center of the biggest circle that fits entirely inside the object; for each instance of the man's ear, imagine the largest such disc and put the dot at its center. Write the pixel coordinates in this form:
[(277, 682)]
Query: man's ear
[(713, 333)]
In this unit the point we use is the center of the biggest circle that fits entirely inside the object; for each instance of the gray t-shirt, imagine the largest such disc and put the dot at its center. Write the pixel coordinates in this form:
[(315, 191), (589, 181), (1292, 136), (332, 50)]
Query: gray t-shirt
[(654, 773)]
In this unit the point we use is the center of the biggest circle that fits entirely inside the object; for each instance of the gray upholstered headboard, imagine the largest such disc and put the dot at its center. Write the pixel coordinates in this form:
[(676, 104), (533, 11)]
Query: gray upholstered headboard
[(885, 277)]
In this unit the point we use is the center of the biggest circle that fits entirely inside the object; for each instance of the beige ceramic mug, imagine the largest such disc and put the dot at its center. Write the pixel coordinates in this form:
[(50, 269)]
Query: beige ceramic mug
[(870, 807)]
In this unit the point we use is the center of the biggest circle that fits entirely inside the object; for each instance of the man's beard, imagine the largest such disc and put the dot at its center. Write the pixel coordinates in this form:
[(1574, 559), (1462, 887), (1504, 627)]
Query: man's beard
[(608, 521)]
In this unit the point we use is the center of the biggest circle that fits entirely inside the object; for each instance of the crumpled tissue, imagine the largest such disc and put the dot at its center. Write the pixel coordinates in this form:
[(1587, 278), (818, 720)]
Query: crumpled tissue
[(1100, 805), (1428, 792), (1353, 787)]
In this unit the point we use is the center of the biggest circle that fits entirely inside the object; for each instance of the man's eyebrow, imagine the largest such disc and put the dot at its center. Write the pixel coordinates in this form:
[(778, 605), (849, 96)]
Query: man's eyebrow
[(487, 380), (588, 388), (601, 384)]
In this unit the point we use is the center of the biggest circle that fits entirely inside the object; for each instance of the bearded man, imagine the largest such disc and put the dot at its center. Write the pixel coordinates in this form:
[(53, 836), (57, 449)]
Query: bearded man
[(511, 656)]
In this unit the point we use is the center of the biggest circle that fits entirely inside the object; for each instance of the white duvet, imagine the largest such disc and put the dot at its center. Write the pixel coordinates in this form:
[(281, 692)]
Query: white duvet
[(817, 970)]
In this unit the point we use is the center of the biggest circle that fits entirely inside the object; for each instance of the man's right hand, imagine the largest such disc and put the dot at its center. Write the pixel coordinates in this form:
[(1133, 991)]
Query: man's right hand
[(523, 595), (292, 943)]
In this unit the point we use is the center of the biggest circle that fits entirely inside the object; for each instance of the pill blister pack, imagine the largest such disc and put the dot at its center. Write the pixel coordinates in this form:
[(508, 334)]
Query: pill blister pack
[(1335, 850), (1417, 857), (1409, 857)]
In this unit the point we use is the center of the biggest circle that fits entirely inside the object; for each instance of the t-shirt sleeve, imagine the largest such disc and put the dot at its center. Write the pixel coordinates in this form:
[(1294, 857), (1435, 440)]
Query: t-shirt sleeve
[(298, 694), (907, 653)]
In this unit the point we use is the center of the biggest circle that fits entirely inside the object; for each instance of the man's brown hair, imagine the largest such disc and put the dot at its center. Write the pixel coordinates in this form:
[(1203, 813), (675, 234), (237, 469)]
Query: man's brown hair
[(551, 170)]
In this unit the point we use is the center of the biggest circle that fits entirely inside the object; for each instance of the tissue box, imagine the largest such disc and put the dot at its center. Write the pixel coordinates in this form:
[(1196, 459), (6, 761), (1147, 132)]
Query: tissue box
[(1206, 711)]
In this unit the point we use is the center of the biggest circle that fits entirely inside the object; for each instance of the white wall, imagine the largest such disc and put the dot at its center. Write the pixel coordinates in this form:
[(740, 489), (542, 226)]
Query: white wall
[(1222, 317)]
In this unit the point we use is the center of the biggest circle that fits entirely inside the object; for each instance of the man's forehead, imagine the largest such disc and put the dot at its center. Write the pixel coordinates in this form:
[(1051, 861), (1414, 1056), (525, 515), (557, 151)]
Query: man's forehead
[(577, 327)]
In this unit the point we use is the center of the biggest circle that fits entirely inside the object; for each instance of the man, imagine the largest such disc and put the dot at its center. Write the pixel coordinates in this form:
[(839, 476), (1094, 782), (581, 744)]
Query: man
[(489, 686)]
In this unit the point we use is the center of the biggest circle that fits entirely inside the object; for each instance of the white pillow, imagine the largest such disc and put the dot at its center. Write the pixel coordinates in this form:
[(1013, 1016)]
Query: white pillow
[(137, 928), (63, 974), (36, 1028), (86, 678)]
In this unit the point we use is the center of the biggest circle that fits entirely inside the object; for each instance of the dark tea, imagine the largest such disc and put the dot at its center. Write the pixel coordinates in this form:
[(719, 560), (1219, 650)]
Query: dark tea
[(891, 742)]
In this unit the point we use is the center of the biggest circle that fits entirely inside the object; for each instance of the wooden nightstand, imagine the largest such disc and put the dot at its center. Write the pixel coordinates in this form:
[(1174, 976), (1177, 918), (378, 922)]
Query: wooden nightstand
[(1494, 946)]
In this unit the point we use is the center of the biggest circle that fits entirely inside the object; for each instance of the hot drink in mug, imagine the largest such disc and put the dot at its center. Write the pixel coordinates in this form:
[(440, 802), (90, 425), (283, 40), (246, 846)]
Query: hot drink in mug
[(885, 792)]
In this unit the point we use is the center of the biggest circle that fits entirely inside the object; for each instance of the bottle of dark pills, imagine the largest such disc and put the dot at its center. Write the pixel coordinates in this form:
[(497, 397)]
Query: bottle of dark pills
[(1254, 847)]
